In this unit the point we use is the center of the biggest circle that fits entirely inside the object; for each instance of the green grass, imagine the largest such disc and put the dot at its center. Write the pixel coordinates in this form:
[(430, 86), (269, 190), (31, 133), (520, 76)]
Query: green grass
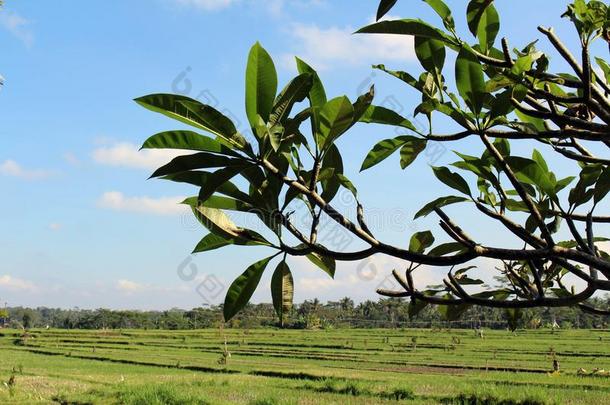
[(342, 366)]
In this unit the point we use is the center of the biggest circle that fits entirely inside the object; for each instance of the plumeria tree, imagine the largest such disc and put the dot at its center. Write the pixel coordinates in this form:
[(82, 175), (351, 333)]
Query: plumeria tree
[(498, 97)]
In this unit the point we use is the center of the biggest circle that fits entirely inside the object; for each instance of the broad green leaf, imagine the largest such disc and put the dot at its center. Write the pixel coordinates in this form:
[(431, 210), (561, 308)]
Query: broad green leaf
[(220, 202), (217, 222), (443, 11), (384, 7), (410, 27), (446, 248), (187, 140), (451, 179), (211, 242), (293, 93), (327, 264), (380, 115), (430, 53), (420, 241), (488, 27), (439, 202), (345, 182), (242, 288), (201, 160), (317, 95), (383, 149), (282, 289), (452, 312), (602, 186), (332, 161), (261, 84), (334, 118), (199, 178), (470, 80), (529, 171), (403, 76), (605, 67), (194, 113), (217, 179), (410, 150)]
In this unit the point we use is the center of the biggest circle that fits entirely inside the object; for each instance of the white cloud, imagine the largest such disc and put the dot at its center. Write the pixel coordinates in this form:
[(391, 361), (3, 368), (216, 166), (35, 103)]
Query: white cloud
[(124, 154), (17, 26), (207, 5), (14, 169), (72, 159), (115, 200), (129, 286), (16, 284), (334, 46)]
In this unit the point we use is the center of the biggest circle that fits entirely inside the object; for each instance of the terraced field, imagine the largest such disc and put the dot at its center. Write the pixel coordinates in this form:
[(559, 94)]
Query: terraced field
[(346, 366)]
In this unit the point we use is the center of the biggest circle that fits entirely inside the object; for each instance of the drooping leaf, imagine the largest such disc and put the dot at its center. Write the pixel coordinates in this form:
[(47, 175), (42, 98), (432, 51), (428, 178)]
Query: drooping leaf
[(410, 150), (261, 84), (385, 148), (282, 289), (242, 288), (470, 80), (602, 186), (451, 179), (201, 160), (327, 264), (430, 53)]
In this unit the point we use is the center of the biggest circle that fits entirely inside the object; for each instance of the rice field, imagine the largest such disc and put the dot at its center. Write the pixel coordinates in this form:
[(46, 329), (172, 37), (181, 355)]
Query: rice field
[(340, 366)]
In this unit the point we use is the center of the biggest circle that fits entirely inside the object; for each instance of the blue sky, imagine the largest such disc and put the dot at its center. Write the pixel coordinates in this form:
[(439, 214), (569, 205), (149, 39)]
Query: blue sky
[(81, 225)]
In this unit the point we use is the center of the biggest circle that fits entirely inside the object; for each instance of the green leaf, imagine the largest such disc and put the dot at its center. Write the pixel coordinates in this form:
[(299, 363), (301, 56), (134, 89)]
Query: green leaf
[(334, 118), (488, 27), (451, 179), (380, 115), (242, 288), (199, 178), (443, 11), (345, 182), (439, 202), (187, 140), (602, 186), (469, 79), (293, 93), (385, 148), (211, 242), (217, 179), (194, 113), (327, 264), (201, 160), (384, 7), (217, 222), (446, 248), (261, 85), (529, 171), (452, 312), (430, 53), (413, 27), (605, 67), (420, 241), (317, 95), (282, 289), (332, 161), (411, 149)]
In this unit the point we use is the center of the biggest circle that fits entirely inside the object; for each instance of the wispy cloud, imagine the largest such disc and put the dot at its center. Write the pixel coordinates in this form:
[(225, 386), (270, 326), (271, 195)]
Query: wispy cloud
[(15, 284), (208, 5), (128, 286), (18, 26), (125, 154), (115, 200), (338, 46), (55, 226), (13, 169)]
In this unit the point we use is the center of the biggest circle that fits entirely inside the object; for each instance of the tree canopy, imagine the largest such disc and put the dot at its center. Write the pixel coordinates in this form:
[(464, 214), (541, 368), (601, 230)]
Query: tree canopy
[(499, 97)]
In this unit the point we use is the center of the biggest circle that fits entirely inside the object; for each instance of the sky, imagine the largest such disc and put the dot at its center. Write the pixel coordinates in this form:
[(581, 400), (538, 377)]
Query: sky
[(81, 226)]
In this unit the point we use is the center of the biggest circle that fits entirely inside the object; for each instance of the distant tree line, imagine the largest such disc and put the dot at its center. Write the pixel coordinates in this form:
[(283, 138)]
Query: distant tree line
[(311, 314)]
